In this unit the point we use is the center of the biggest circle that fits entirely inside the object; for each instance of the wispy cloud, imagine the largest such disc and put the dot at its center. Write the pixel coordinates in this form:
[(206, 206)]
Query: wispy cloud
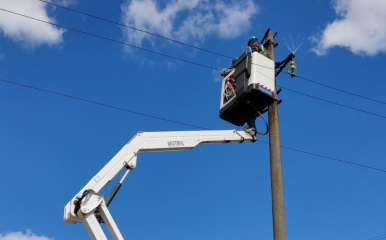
[(29, 32), (187, 20), (23, 236), (360, 26)]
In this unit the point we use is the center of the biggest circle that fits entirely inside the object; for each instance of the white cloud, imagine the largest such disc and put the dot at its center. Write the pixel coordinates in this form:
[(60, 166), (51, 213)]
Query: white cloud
[(360, 27), (30, 32), (235, 18), (21, 236), (185, 20), (64, 3)]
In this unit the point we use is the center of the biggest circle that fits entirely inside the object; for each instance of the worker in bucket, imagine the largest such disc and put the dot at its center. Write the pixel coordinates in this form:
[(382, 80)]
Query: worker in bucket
[(231, 81), (254, 44)]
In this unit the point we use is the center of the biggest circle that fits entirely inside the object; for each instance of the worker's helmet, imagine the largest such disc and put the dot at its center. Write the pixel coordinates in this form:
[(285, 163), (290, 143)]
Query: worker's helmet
[(251, 39)]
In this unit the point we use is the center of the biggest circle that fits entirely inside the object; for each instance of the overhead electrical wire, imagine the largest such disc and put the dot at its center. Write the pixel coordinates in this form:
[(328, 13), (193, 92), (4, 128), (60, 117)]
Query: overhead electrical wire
[(177, 122), (176, 58), (340, 90), (184, 60), (112, 40), (335, 103), (136, 29), (195, 63), (100, 104), (198, 48), (382, 236), (327, 157)]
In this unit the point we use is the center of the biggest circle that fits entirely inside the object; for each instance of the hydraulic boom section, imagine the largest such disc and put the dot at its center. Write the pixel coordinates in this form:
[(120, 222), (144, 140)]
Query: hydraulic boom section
[(90, 207)]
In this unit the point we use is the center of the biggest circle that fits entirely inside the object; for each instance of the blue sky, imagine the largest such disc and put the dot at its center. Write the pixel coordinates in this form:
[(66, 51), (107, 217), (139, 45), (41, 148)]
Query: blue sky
[(51, 145)]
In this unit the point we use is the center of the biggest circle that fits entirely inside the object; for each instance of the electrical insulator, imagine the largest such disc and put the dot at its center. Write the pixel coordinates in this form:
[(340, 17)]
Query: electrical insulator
[(292, 67)]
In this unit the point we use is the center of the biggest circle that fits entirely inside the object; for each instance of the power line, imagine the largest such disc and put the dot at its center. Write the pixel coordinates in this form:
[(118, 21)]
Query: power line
[(201, 49), (378, 237), (177, 122), (144, 31), (176, 58), (335, 103), (329, 158), (340, 90), (112, 40), (191, 62), (134, 28), (101, 104), (137, 29), (120, 42)]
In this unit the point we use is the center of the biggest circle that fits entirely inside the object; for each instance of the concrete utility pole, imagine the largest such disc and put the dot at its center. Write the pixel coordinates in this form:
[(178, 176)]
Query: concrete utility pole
[(278, 211)]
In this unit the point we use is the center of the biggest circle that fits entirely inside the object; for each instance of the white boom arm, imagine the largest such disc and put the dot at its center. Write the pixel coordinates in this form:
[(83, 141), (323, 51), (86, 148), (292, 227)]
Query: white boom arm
[(83, 205)]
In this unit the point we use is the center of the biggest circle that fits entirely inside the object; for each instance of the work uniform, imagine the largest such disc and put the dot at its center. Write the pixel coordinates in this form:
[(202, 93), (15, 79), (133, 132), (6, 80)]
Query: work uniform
[(256, 46)]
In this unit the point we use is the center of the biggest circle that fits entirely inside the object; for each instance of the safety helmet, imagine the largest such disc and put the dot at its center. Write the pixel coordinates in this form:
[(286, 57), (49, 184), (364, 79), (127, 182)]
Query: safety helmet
[(251, 39)]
